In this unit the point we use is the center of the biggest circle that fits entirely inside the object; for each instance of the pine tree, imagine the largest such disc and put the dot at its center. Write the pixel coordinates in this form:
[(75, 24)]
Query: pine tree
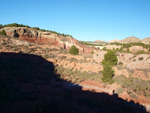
[(110, 57), (108, 72)]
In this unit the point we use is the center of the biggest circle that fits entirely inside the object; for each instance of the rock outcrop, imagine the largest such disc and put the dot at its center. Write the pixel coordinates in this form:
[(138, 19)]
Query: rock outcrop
[(135, 49), (133, 62), (41, 37)]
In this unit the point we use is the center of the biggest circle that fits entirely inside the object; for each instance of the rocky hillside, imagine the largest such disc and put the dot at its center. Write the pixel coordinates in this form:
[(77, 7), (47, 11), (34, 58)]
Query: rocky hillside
[(146, 41), (45, 37), (34, 78), (43, 50)]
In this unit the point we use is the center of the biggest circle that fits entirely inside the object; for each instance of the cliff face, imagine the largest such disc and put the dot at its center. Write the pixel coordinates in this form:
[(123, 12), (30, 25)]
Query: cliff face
[(41, 37)]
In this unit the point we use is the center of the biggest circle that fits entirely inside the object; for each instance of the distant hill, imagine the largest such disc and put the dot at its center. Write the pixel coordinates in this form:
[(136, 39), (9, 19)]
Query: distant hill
[(146, 40), (131, 39)]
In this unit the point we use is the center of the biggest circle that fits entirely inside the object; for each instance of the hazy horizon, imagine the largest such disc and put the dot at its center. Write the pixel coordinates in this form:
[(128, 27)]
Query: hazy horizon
[(86, 20)]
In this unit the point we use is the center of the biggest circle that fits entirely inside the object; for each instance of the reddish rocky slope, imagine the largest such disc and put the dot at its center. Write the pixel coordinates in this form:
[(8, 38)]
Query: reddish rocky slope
[(42, 37)]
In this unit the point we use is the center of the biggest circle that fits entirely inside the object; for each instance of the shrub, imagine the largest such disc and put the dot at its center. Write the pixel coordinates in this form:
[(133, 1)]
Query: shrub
[(92, 52), (37, 28), (108, 73), (140, 52), (104, 48), (74, 50), (15, 25), (3, 32), (131, 94)]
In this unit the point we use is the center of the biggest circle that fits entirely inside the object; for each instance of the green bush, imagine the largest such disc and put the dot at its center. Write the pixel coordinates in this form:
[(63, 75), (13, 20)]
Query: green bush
[(74, 50), (92, 52), (108, 73), (110, 57), (3, 32)]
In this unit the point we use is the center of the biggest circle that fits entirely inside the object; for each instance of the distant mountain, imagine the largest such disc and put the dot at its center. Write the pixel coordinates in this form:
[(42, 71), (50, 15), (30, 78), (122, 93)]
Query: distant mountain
[(146, 40), (131, 39)]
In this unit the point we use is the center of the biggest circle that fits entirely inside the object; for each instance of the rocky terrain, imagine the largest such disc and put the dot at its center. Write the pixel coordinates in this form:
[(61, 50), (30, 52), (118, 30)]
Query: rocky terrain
[(131, 79), (43, 37)]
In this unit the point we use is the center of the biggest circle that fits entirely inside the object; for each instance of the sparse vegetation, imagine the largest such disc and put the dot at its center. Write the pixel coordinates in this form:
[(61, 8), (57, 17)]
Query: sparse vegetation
[(89, 44), (37, 28), (136, 85), (76, 76), (119, 90), (126, 46), (141, 52)]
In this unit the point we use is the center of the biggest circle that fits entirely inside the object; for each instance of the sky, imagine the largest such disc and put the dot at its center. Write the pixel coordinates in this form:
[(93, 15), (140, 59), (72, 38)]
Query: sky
[(85, 20)]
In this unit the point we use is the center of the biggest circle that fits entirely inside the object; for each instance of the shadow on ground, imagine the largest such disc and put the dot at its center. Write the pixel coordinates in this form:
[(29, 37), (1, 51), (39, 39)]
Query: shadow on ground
[(28, 84)]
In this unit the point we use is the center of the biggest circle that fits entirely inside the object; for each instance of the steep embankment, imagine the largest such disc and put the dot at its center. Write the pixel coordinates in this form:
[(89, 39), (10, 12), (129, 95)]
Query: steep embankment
[(43, 37)]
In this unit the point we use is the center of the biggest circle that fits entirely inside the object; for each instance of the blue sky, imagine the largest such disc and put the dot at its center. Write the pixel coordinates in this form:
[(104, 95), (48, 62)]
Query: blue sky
[(86, 20)]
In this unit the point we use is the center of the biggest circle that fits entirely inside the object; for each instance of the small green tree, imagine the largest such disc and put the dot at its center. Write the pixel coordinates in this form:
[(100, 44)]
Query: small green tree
[(104, 48), (110, 57), (3, 32), (74, 50), (108, 72)]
